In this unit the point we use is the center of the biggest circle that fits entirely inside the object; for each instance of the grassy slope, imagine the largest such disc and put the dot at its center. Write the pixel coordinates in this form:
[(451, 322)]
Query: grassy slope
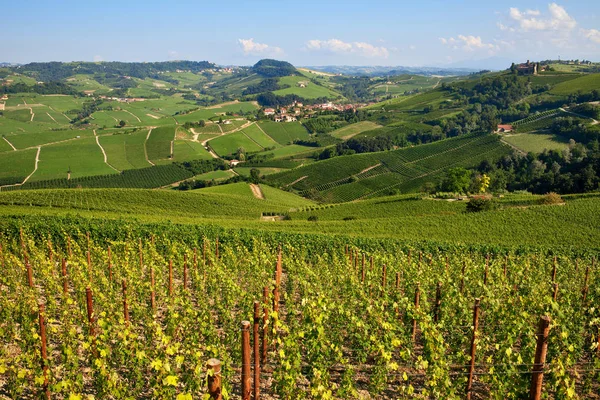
[(536, 142), (310, 91), (125, 151), (393, 217)]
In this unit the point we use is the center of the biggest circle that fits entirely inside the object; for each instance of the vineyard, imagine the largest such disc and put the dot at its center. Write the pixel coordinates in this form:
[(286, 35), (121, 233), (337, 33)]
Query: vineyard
[(537, 121), (116, 315), (349, 178)]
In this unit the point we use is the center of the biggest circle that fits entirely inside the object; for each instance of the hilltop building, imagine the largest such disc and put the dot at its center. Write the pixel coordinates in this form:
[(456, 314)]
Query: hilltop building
[(527, 68), (505, 128)]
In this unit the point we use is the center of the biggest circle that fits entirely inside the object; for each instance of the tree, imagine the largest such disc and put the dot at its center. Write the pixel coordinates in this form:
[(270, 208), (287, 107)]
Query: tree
[(255, 174), (457, 180), (201, 123), (122, 123)]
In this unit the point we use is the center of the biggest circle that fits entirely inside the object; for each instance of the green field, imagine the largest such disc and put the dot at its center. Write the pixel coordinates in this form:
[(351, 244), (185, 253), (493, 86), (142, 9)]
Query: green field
[(585, 84), (245, 171), (258, 136), (125, 151), (85, 159), (310, 91), (354, 129), (537, 142), (25, 140), (158, 145), (215, 175), (186, 150), (230, 143), (284, 133), (16, 165)]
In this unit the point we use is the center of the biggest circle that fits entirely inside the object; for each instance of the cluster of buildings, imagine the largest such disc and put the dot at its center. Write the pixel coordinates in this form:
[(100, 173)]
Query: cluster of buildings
[(298, 110), (121, 99)]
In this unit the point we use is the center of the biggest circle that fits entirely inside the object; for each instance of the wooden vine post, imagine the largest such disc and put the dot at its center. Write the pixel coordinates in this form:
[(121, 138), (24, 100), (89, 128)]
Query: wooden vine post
[(246, 376), (383, 278), (473, 348), (89, 264), (64, 276), (90, 314), (125, 307), (217, 248), (462, 278), (256, 344), (554, 270), (265, 334), (44, 351), (213, 369), (414, 320), (555, 292), (537, 376)]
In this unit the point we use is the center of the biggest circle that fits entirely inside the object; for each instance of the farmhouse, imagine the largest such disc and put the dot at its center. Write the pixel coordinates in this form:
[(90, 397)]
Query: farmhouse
[(4, 97), (269, 111), (504, 128), (527, 68)]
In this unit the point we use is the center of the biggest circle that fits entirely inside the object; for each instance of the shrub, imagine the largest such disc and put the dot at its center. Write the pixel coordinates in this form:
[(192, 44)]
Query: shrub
[(313, 218), (552, 198), (480, 203)]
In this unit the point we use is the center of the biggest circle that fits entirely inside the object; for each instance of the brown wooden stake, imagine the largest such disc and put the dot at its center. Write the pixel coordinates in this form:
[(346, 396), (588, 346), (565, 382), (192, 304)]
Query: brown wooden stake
[(554, 270), (246, 376), (64, 276), (473, 348), (537, 376), (29, 274), (372, 263), (152, 296), (438, 302), (420, 259), (185, 272), (397, 280), (22, 239), (125, 307), (44, 352), (265, 334), (383, 278), (364, 272), (89, 264), (356, 262), (364, 261), (91, 318), (170, 278), (409, 257), (351, 256), (256, 350), (414, 321), (213, 367), (195, 259), (109, 265), (555, 294), (152, 239), (87, 235)]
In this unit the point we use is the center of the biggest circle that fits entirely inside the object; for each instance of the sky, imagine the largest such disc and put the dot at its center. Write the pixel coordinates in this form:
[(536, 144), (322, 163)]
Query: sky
[(308, 32)]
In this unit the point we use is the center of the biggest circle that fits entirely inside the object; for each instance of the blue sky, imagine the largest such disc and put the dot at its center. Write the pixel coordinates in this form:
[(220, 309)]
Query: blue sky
[(304, 32)]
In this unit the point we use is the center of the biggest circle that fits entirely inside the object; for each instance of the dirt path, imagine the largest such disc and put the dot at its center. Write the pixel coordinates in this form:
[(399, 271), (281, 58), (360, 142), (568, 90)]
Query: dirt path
[(594, 122), (32, 114), (368, 169), (104, 152), (221, 129), (153, 116), (146, 150), (257, 191), (135, 116), (37, 160), (297, 180), (222, 104), (9, 143), (2, 105), (51, 117)]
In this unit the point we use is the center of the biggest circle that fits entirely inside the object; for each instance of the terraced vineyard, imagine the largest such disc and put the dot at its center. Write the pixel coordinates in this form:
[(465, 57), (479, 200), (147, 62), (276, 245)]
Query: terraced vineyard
[(537, 121), (353, 177)]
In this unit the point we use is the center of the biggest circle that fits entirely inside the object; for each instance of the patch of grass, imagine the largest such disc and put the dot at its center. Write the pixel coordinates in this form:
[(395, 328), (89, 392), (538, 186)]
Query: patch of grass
[(230, 143), (585, 84), (83, 157), (186, 150), (125, 151), (284, 133), (16, 165), (256, 134), (310, 90), (537, 142), (25, 140), (158, 145), (18, 115), (351, 130)]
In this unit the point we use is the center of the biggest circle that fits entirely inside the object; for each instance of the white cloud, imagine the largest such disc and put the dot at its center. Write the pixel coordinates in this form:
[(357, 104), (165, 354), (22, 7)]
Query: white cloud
[(592, 34), (468, 43), (339, 47), (558, 19), (250, 47), (98, 58)]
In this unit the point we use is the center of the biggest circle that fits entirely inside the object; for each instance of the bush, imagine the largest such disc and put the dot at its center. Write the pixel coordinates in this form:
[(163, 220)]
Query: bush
[(313, 218), (552, 198), (480, 203)]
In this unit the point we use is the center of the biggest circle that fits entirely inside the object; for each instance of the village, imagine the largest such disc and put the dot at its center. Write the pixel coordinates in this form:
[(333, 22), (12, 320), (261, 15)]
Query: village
[(298, 110)]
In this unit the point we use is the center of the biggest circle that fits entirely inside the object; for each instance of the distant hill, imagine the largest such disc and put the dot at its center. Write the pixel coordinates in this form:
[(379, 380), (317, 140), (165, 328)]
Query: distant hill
[(53, 71), (373, 70), (274, 69)]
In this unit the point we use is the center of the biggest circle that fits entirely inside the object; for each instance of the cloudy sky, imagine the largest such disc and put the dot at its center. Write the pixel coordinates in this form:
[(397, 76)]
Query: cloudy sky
[(431, 33)]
